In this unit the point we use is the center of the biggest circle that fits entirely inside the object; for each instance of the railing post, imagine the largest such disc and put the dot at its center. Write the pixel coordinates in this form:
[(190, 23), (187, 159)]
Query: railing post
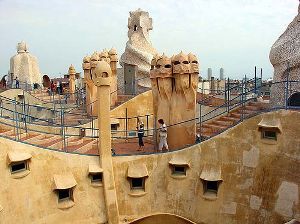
[(61, 124), (16, 120), (261, 81), (242, 98), (1, 105), (228, 94), (225, 92), (200, 123), (24, 112), (126, 124), (147, 123), (155, 133), (64, 129), (287, 86), (254, 80)]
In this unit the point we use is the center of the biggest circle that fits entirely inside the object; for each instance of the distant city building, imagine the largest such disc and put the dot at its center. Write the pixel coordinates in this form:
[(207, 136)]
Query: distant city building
[(209, 73), (221, 73)]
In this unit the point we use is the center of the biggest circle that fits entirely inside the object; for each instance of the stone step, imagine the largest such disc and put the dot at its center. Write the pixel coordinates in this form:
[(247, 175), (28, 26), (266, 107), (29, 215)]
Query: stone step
[(85, 144), (222, 123), (88, 146), (54, 143), (206, 135), (236, 115), (43, 140), (205, 131), (30, 136), (3, 131), (251, 108), (214, 127), (8, 132), (244, 111), (73, 141), (228, 118), (260, 105)]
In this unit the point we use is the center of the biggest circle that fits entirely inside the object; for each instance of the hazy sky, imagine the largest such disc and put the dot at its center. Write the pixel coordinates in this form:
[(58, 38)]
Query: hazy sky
[(233, 34)]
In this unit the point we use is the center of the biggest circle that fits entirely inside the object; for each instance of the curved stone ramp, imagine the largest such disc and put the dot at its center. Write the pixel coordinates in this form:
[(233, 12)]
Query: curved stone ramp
[(217, 125), (86, 145)]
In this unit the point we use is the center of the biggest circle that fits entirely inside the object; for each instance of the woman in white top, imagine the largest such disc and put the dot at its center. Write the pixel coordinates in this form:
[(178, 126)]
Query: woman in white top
[(162, 135)]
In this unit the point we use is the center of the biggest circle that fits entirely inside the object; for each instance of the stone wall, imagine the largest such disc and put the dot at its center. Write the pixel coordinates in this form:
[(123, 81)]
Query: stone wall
[(285, 58), (31, 199), (260, 181)]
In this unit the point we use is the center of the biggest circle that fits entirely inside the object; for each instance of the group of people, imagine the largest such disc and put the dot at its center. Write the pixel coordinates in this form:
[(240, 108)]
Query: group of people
[(163, 143), (162, 135), (56, 88)]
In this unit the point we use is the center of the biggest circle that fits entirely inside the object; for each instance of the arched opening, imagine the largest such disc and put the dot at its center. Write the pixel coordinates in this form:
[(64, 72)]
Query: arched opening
[(3, 82), (162, 218), (135, 28), (46, 81), (294, 100)]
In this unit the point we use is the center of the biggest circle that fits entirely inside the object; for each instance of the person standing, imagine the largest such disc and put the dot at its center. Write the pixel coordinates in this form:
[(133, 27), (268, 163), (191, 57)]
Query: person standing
[(198, 138), (140, 129), (57, 87), (162, 135), (17, 83), (52, 87), (61, 87)]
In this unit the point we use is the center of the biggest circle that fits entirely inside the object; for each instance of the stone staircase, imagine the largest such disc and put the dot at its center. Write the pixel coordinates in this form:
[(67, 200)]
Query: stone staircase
[(44, 95), (219, 124), (76, 144), (72, 144), (122, 99)]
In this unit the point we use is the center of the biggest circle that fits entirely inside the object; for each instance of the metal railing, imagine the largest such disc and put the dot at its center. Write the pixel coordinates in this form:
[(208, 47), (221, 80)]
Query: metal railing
[(18, 115)]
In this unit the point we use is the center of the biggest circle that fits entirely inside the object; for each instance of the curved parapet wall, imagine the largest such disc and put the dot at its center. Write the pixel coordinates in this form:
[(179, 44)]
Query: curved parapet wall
[(285, 58), (33, 199), (258, 180), (253, 176)]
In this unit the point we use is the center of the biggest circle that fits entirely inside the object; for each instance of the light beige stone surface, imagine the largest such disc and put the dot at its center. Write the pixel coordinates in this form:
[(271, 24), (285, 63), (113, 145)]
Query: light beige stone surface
[(114, 81), (139, 50), (72, 73), (255, 202), (89, 65), (31, 199), (275, 182), (174, 85), (25, 66), (101, 77), (285, 58), (288, 198), (251, 157)]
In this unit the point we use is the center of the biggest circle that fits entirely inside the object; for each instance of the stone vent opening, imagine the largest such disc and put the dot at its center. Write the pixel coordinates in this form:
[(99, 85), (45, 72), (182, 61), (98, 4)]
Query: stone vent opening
[(96, 177), (211, 187), (137, 183), (19, 167), (269, 134), (179, 170), (65, 194), (114, 127)]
